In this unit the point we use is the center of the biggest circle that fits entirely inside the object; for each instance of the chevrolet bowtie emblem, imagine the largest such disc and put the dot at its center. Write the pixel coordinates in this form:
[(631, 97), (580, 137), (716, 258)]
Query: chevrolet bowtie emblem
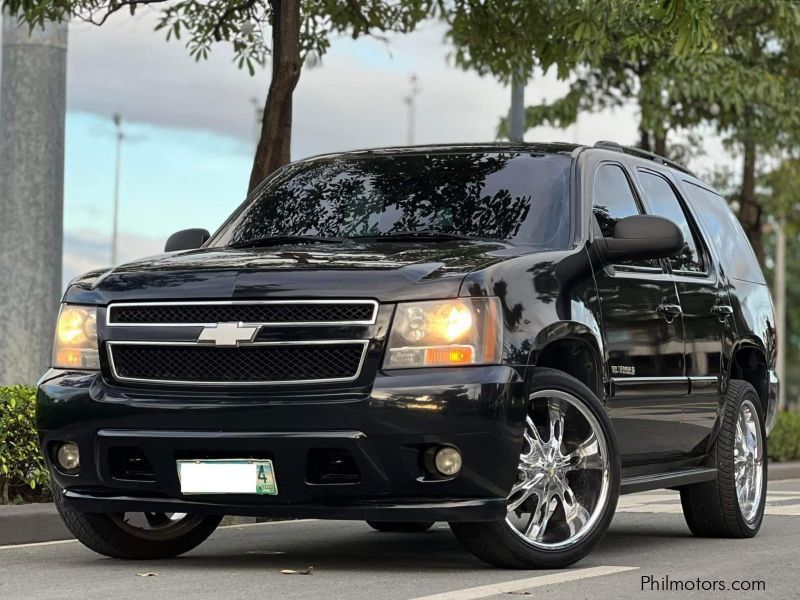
[(227, 334)]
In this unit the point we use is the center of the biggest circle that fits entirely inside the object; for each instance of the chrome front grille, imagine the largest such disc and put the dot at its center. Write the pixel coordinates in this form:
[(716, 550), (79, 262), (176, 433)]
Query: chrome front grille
[(265, 312), (231, 342), (275, 363)]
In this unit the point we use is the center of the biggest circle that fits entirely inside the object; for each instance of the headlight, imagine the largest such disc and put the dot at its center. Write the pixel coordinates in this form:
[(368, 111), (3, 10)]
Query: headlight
[(464, 331), (75, 346)]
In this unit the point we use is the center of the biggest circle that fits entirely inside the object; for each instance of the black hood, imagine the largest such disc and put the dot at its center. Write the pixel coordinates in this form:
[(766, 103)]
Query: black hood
[(387, 271)]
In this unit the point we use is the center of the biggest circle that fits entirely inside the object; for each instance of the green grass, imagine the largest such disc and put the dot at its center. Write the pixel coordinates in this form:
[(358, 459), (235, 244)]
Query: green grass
[(784, 441)]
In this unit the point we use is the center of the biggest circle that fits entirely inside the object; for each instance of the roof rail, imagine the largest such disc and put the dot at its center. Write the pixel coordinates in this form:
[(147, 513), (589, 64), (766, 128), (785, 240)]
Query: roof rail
[(633, 151)]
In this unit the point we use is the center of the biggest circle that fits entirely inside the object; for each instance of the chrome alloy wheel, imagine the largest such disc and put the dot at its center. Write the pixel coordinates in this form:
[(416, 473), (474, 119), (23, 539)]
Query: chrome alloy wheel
[(748, 461), (562, 481), (156, 526)]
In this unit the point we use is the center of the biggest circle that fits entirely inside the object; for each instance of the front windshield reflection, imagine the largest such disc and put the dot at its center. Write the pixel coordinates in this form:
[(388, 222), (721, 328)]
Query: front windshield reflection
[(504, 196)]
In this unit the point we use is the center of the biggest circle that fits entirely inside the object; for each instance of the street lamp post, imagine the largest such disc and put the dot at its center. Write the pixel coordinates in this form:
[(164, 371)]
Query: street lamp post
[(780, 308), (410, 101), (516, 114), (117, 171)]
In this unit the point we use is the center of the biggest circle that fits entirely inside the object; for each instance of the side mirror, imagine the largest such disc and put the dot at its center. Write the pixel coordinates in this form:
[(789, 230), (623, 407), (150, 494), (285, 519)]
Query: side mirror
[(642, 237), (187, 239)]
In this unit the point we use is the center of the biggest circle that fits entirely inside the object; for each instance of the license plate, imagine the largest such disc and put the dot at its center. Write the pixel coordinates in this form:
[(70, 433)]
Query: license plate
[(227, 476)]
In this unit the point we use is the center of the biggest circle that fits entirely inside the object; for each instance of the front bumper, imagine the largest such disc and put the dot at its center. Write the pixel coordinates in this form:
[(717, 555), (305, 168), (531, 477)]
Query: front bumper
[(387, 433)]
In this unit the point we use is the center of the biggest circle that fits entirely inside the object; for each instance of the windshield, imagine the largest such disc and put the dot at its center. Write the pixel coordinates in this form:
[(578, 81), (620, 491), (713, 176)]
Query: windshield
[(505, 196)]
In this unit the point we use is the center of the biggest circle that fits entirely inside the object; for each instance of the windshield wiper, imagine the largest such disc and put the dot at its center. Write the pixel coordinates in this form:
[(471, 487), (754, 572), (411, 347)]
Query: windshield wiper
[(277, 240), (434, 236)]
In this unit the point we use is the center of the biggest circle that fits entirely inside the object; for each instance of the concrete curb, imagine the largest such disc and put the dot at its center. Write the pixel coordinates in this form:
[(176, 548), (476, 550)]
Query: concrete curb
[(31, 523), (785, 470)]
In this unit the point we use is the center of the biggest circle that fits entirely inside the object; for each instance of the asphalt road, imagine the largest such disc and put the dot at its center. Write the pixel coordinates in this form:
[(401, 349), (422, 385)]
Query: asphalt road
[(647, 538)]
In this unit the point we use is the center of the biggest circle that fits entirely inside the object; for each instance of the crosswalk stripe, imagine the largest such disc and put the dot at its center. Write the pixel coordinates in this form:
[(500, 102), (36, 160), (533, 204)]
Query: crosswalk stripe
[(506, 587), (779, 503)]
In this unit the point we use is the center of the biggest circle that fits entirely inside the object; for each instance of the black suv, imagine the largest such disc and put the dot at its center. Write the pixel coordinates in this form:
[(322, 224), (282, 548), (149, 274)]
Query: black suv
[(504, 337)]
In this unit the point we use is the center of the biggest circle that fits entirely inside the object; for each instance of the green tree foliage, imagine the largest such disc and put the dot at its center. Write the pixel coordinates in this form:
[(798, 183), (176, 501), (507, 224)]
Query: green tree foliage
[(610, 50), (289, 32), (778, 195), (730, 65), (23, 473)]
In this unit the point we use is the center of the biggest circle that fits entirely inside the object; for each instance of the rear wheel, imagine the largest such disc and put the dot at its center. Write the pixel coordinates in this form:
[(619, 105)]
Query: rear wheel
[(399, 527), (567, 482), (138, 535), (733, 504)]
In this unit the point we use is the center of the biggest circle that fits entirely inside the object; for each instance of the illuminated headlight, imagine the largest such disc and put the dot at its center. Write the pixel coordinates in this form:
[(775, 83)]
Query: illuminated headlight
[(75, 345), (465, 331)]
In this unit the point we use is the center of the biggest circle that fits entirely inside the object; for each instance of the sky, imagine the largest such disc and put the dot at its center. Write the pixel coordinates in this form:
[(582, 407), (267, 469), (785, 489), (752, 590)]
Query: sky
[(190, 127)]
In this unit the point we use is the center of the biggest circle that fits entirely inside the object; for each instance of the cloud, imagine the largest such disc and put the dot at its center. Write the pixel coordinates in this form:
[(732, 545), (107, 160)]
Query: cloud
[(88, 249), (354, 99)]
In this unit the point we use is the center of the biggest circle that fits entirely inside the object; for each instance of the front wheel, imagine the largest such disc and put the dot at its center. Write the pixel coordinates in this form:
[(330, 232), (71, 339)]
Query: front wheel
[(138, 535), (567, 484)]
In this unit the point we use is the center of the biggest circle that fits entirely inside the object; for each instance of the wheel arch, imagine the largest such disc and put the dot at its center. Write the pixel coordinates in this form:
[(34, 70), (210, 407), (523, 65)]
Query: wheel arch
[(575, 349), (749, 363)]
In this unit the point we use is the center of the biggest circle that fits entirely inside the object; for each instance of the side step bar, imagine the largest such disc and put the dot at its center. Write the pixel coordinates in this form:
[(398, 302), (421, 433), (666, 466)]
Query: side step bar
[(643, 483)]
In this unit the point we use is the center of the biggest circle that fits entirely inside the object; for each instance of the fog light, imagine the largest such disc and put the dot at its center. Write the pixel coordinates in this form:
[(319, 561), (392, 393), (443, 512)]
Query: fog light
[(68, 456), (448, 461)]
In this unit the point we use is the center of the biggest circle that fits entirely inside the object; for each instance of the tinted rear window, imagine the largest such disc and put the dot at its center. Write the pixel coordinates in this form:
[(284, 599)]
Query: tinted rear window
[(725, 233), (506, 195)]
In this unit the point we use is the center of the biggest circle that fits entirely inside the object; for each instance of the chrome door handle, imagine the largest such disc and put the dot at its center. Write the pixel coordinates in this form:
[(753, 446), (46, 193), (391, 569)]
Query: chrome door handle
[(723, 311), (670, 311)]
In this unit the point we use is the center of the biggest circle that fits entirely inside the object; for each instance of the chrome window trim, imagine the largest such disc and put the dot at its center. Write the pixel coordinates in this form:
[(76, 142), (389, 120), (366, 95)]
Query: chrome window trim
[(374, 303), (117, 377)]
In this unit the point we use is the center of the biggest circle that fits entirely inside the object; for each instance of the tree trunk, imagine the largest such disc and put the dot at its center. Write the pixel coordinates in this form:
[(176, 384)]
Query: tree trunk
[(660, 146), (749, 207), (274, 144), (644, 140)]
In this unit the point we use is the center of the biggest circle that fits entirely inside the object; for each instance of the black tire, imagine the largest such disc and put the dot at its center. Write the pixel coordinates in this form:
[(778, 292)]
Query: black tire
[(496, 543), (103, 534), (400, 527), (712, 508)]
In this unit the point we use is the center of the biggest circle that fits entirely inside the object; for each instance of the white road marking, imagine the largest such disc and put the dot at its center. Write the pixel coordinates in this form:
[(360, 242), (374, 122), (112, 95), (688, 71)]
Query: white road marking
[(266, 523), (35, 544), (485, 591), (779, 503)]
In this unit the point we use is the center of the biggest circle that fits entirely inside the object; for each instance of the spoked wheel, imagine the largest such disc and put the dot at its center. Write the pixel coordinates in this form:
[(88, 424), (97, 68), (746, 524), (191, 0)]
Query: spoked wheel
[(748, 459), (563, 476), (156, 526), (138, 535), (733, 504), (566, 486)]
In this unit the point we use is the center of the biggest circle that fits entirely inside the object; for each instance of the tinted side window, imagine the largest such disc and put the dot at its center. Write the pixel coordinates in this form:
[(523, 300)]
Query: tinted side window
[(662, 201), (612, 198), (725, 233)]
